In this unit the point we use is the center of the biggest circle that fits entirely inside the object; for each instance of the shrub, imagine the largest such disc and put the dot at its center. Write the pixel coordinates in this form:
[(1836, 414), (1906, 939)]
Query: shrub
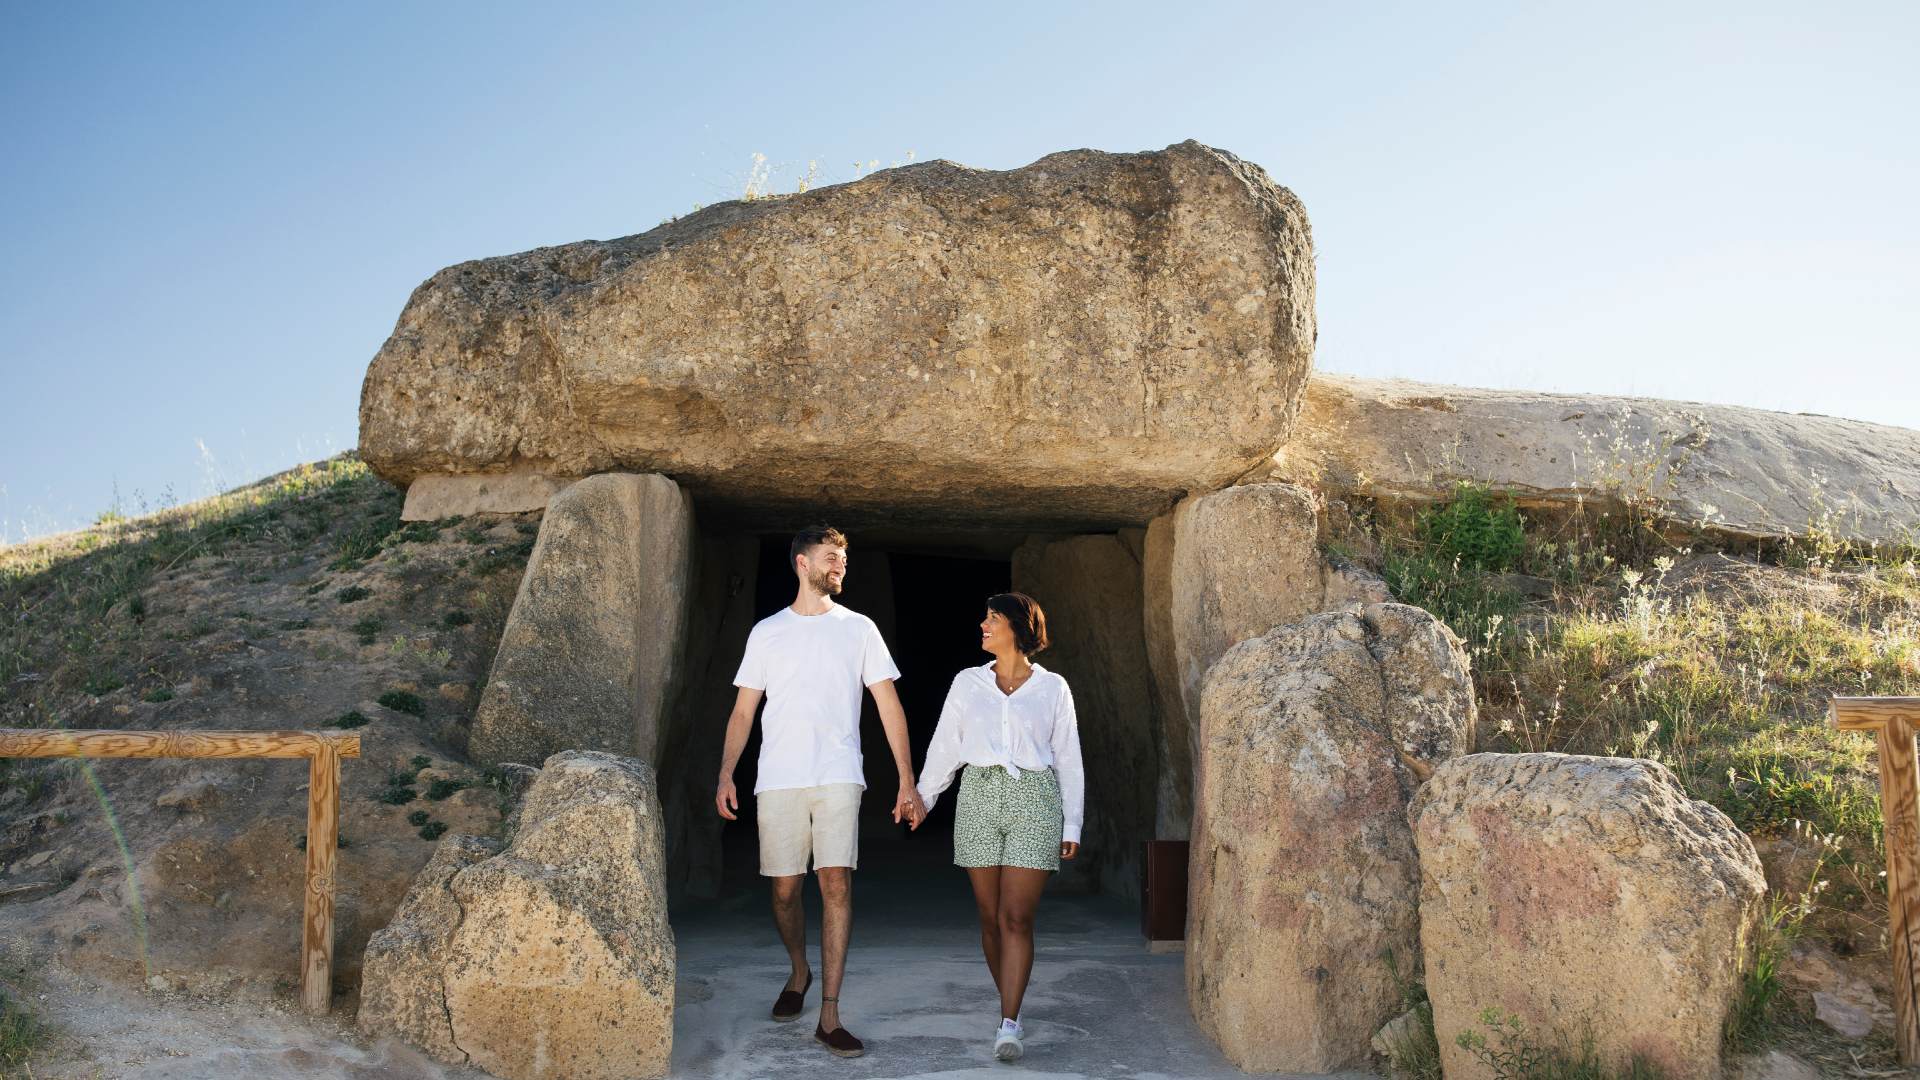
[(417, 818), (432, 830), (456, 619), (368, 629), (397, 796), (352, 593), (403, 701), (444, 787), (1474, 530), (158, 694), (349, 719)]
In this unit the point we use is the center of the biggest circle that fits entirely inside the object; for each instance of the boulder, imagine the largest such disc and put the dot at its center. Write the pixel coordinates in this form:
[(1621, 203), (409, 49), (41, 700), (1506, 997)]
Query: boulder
[(1090, 589), (1304, 875), (1582, 894), (1222, 568), (549, 958), (1717, 468), (1080, 340), (593, 643)]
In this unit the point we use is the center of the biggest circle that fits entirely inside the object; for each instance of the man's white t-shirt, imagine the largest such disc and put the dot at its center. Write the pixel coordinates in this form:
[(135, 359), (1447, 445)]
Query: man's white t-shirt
[(813, 669)]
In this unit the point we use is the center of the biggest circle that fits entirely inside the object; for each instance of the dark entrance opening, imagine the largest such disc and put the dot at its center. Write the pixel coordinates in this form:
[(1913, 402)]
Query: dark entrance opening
[(928, 608)]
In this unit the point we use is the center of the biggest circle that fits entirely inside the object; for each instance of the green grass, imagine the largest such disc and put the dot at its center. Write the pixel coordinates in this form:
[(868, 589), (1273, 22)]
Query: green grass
[(21, 1032), (1508, 1050)]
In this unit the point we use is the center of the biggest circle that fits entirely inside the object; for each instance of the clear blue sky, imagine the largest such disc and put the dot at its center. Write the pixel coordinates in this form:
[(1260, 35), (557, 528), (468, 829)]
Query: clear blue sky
[(213, 213)]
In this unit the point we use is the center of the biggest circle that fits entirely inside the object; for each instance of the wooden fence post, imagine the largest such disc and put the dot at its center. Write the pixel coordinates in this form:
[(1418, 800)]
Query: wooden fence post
[(1894, 721), (323, 751)]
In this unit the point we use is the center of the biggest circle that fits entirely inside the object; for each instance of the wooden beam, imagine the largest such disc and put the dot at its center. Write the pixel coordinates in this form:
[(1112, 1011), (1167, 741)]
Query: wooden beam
[(1893, 722), (37, 742), (323, 751), (323, 836)]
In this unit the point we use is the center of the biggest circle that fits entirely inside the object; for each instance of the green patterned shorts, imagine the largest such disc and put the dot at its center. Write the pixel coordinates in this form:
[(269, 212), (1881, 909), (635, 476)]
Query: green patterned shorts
[(1003, 820)]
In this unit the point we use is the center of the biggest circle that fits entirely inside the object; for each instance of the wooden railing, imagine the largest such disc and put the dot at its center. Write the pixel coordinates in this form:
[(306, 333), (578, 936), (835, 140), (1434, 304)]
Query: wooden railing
[(323, 751), (1894, 720)]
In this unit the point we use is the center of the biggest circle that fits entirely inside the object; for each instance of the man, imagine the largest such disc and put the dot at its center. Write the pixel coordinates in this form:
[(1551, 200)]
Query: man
[(810, 660)]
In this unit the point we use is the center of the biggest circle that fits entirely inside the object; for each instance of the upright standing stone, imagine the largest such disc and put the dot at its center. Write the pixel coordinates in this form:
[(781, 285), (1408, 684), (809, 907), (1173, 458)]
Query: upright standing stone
[(1222, 568), (592, 647), (1303, 868), (1584, 895), (1089, 587)]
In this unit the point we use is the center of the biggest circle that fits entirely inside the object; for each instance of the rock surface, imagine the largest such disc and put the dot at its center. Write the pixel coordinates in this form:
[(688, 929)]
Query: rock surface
[(1089, 587), (1731, 470), (1081, 340), (1304, 873), (1220, 569), (1573, 891), (594, 642), (550, 958)]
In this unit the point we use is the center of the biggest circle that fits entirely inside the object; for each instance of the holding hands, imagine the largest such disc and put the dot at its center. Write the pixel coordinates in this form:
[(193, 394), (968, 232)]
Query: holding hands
[(909, 807)]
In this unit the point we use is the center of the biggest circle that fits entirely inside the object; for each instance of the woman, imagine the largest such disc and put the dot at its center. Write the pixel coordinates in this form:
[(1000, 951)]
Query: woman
[(1008, 728)]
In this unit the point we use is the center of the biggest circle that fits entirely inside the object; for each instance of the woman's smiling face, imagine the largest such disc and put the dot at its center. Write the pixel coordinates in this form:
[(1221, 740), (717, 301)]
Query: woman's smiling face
[(996, 634)]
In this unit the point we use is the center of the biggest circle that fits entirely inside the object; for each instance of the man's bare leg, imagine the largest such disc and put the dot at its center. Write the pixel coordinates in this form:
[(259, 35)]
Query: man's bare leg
[(790, 918), (836, 929)]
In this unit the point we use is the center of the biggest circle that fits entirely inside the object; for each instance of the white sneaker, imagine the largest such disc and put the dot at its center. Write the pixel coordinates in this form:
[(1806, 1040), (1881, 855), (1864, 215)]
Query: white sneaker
[(1006, 1044)]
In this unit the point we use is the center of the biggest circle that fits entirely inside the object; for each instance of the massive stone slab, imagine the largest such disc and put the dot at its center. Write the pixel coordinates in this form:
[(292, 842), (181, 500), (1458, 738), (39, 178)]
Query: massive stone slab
[(1582, 894), (1719, 468), (593, 644), (1304, 873), (551, 958), (1089, 587), (1080, 340), (1220, 569)]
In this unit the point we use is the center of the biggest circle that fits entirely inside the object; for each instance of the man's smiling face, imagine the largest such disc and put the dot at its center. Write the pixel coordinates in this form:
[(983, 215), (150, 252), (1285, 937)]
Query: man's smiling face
[(825, 568)]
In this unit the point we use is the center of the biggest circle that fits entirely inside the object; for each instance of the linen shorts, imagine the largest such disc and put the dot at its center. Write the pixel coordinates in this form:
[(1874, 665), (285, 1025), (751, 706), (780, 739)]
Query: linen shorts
[(822, 821), (1004, 820)]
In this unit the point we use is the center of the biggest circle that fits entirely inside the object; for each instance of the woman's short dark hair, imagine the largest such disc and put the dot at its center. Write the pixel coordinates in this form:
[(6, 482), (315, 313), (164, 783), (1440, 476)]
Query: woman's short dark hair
[(1023, 614)]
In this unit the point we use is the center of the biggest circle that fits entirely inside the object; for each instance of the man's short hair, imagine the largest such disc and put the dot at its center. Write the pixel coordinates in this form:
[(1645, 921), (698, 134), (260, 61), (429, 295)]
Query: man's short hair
[(811, 537)]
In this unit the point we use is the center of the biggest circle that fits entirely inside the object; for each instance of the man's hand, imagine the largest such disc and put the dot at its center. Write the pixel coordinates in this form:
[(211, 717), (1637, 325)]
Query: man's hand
[(1068, 849), (909, 807), (725, 800)]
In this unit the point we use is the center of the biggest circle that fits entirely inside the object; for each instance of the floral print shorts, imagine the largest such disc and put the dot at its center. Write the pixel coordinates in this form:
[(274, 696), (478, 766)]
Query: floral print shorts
[(1006, 820)]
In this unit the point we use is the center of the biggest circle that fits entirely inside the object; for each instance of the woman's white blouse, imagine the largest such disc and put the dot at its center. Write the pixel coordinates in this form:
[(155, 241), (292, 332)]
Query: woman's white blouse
[(1029, 730)]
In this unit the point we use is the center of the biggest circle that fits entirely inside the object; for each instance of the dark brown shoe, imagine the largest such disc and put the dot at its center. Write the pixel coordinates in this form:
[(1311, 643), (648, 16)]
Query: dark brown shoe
[(791, 1003), (840, 1041)]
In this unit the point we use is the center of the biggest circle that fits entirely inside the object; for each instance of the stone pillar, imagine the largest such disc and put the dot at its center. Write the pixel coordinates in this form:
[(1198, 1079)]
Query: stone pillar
[(1303, 865), (1585, 896), (1089, 587), (593, 643), (1219, 569)]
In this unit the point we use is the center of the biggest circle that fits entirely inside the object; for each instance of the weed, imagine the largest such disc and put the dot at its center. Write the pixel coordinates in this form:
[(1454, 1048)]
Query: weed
[(1473, 531), (1413, 1052), (403, 701), (456, 619), (417, 818), (157, 695), (103, 683), (21, 1032), (421, 761), (397, 796), (444, 787), (368, 629), (352, 593), (352, 718), (432, 830), (1513, 1055)]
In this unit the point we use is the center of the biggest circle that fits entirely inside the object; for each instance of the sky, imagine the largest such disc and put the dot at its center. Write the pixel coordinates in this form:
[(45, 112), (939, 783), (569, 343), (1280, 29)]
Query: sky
[(213, 214)]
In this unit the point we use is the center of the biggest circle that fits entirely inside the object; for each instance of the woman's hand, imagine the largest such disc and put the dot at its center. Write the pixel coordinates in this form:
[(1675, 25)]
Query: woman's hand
[(1068, 849)]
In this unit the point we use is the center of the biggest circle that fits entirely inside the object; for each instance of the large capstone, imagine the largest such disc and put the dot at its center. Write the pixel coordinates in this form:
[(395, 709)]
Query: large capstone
[(551, 958), (592, 648), (1304, 877), (1588, 897), (1091, 335)]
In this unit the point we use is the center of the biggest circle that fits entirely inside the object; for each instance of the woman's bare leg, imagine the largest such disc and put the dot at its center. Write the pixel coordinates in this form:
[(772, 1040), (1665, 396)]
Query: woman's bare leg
[(986, 897), (1020, 889)]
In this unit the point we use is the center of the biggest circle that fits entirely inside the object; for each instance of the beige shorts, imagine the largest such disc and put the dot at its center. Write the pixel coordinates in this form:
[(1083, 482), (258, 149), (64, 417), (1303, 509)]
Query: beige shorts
[(823, 822)]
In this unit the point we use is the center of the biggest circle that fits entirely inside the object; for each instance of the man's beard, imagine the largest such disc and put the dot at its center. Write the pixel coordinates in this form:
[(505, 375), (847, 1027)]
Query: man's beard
[(823, 583)]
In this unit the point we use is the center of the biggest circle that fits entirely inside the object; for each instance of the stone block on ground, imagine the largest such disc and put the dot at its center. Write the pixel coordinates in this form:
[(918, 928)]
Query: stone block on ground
[(593, 644), (551, 957), (1304, 871), (1582, 894)]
